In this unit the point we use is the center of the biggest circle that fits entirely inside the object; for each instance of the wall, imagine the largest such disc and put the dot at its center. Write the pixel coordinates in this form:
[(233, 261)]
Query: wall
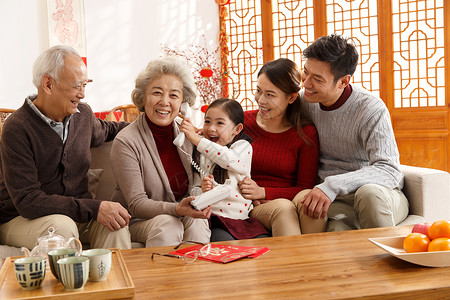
[(121, 35)]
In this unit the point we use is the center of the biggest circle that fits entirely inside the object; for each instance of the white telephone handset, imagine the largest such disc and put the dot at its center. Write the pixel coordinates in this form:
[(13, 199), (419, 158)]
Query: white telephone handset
[(186, 111)]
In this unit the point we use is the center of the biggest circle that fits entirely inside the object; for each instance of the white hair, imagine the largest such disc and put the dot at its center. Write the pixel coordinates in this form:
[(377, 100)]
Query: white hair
[(51, 62), (158, 67)]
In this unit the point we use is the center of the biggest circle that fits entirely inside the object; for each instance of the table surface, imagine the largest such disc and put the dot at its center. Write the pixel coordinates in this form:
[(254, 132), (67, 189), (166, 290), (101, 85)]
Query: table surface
[(337, 265)]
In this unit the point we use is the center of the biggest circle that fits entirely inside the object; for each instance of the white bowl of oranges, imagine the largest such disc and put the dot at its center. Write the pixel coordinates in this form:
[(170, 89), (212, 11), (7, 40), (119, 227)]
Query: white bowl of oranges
[(427, 245)]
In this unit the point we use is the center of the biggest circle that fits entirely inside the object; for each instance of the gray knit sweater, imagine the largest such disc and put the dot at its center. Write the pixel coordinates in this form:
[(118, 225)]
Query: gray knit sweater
[(357, 144)]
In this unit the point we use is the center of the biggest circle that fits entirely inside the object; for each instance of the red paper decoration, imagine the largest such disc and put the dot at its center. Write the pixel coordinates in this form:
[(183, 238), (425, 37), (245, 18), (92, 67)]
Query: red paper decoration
[(206, 72)]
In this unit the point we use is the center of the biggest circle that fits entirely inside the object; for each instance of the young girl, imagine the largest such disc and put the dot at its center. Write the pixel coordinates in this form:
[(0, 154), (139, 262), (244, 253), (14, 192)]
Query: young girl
[(225, 153)]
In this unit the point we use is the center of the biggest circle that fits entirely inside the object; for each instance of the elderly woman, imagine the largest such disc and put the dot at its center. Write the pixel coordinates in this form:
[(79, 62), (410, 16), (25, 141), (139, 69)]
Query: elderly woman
[(153, 175)]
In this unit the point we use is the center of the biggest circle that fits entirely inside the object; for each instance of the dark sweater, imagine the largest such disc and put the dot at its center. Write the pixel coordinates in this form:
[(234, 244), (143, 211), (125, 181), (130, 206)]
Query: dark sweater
[(39, 175)]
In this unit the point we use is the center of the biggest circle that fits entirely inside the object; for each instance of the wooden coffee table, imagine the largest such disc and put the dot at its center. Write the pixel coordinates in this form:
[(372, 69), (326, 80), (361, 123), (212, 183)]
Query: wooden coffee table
[(338, 265)]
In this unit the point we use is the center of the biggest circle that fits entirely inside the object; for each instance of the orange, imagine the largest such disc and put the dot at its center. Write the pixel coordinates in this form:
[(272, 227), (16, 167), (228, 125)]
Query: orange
[(439, 244), (416, 242), (439, 229)]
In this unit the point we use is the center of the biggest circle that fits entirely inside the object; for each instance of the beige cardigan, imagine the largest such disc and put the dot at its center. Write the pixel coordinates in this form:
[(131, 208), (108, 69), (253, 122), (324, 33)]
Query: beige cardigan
[(143, 187)]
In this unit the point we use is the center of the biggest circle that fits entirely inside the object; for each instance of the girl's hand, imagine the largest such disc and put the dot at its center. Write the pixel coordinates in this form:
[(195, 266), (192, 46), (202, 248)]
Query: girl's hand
[(199, 131), (207, 184), (190, 131), (259, 202), (184, 208), (252, 191)]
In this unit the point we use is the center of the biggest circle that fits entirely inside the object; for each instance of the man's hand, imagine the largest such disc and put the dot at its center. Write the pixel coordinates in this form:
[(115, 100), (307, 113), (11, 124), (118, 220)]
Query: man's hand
[(113, 215), (251, 190), (184, 208), (316, 204)]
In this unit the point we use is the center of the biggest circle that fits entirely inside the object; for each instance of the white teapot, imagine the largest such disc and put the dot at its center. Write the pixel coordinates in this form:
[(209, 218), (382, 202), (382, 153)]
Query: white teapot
[(50, 242)]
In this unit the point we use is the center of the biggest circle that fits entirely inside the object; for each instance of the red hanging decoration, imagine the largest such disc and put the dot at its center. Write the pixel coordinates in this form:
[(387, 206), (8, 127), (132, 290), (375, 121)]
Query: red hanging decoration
[(206, 72), (223, 2), (204, 108), (223, 42)]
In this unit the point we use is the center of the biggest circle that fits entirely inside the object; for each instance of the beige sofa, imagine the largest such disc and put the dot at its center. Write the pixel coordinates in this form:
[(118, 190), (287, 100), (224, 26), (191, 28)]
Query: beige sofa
[(428, 192)]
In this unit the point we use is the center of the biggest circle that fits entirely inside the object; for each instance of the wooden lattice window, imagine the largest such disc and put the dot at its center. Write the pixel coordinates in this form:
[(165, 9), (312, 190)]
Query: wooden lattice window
[(358, 20), (418, 50), (245, 46), (401, 44)]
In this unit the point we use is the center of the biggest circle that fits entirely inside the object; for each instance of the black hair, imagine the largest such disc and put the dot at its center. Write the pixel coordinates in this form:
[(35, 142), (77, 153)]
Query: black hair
[(336, 50), (235, 112), (286, 75)]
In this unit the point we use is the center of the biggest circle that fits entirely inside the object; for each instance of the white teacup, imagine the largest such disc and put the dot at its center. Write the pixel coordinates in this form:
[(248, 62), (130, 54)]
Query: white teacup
[(99, 263), (30, 271), (57, 254), (73, 272)]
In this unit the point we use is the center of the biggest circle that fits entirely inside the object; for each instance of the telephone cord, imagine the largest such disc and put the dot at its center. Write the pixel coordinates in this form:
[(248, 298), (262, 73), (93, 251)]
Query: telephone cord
[(197, 167)]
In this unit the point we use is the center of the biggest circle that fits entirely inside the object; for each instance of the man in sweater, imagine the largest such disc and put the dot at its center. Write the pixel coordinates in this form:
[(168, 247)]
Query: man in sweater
[(360, 180), (45, 158)]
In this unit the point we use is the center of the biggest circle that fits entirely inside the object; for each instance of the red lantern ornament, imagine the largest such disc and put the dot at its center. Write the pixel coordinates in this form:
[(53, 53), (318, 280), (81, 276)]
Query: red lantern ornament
[(206, 72), (204, 108), (222, 2)]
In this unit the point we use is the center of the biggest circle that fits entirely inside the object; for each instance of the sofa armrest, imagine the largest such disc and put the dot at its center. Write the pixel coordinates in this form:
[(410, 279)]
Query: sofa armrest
[(428, 192)]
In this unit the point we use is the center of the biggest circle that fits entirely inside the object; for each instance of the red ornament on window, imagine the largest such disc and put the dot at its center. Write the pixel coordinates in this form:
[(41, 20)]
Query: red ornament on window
[(206, 72)]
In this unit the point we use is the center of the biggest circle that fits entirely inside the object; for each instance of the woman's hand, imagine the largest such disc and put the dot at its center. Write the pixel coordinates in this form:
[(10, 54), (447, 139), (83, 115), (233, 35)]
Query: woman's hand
[(252, 191), (207, 184), (184, 208)]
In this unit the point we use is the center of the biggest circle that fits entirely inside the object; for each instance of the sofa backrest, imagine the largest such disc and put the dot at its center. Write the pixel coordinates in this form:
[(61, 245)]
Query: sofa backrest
[(101, 160)]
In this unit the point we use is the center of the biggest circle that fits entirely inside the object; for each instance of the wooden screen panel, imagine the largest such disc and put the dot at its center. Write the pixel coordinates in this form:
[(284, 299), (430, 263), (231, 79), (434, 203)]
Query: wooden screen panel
[(422, 136), (427, 151), (293, 28), (358, 19), (245, 44), (418, 47)]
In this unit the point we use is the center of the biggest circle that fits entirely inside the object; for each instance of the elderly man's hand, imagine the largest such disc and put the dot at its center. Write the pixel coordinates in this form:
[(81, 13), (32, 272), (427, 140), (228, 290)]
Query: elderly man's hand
[(113, 215)]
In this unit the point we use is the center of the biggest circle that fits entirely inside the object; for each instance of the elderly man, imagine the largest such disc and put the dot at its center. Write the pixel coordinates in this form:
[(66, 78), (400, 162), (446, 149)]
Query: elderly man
[(45, 159)]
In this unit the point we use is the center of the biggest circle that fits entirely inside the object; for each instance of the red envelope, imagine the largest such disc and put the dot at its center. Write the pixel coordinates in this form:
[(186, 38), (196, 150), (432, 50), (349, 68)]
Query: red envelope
[(225, 253)]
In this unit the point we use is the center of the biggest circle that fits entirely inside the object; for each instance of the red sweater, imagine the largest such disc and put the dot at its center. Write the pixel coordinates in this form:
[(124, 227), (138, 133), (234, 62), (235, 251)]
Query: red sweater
[(170, 158), (282, 162)]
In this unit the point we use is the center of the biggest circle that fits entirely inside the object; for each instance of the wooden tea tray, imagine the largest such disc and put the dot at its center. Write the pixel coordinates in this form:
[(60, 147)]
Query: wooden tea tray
[(117, 285)]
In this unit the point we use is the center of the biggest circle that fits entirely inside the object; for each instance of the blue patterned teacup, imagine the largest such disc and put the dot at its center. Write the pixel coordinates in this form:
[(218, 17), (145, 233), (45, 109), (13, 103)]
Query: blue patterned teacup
[(30, 271), (57, 254), (73, 272)]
